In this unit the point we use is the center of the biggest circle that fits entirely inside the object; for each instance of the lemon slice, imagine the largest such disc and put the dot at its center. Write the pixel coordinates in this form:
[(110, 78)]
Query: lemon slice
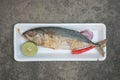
[(29, 49)]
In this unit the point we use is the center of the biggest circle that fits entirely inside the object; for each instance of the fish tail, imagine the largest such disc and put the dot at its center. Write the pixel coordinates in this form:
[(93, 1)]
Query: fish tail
[(100, 45)]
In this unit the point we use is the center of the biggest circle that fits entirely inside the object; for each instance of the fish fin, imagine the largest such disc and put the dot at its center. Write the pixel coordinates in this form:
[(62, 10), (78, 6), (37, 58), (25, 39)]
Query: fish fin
[(100, 45)]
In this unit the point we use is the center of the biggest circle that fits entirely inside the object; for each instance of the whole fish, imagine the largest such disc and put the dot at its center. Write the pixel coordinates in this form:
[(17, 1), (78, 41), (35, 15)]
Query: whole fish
[(60, 38)]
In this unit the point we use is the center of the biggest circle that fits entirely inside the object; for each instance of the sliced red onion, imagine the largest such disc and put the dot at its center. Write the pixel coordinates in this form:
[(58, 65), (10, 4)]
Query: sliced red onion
[(88, 34)]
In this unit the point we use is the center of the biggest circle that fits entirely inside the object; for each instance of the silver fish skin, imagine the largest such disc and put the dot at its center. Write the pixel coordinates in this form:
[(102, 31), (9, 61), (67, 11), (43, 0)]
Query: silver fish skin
[(62, 32)]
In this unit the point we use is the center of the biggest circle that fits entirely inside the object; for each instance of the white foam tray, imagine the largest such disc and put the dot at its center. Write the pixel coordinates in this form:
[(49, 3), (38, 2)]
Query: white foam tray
[(45, 54)]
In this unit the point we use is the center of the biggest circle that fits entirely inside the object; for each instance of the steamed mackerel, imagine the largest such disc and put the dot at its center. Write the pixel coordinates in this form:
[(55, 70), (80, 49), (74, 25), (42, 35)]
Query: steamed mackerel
[(60, 38)]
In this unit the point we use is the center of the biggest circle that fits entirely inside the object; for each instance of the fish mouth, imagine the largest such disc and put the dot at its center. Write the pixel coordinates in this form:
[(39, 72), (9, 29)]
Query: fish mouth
[(26, 36)]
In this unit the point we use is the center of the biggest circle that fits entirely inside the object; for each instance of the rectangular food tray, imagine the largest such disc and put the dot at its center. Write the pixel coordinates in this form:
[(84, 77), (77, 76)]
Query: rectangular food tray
[(45, 54)]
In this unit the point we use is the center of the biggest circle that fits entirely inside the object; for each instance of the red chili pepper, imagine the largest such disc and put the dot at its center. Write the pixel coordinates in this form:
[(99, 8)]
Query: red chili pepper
[(82, 50)]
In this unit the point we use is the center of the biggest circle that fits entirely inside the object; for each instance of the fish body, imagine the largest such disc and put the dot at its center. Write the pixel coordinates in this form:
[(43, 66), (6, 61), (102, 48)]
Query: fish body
[(59, 38)]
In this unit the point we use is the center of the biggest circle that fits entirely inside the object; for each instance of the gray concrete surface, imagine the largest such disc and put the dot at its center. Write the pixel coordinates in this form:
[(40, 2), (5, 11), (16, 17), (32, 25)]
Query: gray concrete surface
[(59, 11)]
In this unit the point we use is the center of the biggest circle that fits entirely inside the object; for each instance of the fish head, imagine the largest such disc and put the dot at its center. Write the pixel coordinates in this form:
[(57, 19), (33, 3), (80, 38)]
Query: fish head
[(30, 34), (37, 36)]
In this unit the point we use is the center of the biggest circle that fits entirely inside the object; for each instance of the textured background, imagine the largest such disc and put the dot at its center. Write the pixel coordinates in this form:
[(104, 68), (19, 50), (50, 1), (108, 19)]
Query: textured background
[(60, 11)]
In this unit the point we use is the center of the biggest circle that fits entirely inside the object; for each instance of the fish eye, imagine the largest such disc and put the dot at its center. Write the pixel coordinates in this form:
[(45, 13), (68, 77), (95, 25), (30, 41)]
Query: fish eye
[(32, 33)]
